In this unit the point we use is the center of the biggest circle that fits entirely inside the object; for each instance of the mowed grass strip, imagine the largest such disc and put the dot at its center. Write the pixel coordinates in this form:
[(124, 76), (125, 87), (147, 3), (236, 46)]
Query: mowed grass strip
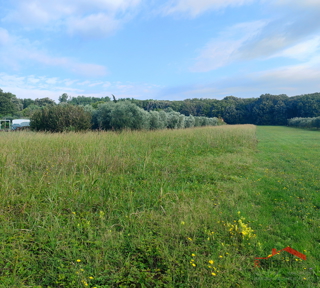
[(286, 201)]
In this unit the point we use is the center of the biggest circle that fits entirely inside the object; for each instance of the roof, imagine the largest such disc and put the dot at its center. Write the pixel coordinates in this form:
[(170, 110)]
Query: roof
[(19, 121)]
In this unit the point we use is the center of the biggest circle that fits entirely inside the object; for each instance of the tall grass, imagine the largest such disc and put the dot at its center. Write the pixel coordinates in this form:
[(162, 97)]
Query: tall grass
[(126, 204)]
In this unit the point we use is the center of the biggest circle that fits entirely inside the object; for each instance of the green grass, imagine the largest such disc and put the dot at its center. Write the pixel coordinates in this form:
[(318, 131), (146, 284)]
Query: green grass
[(285, 194), (182, 208)]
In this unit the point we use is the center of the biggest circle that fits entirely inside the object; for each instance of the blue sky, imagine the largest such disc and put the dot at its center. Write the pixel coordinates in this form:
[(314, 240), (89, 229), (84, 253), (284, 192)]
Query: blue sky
[(152, 49)]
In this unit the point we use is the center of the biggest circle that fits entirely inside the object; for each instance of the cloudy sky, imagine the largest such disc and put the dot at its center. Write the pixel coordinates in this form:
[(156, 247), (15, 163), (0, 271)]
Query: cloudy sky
[(159, 49)]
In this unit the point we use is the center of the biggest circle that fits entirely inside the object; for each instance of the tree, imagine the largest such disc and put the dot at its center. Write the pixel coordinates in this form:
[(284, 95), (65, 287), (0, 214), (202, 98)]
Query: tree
[(27, 112), (9, 103), (63, 98), (85, 100), (6, 106), (102, 116), (60, 118), (189, 121), (173, 119), (27, 102), (126, 115), (44, 102), (155, 121)]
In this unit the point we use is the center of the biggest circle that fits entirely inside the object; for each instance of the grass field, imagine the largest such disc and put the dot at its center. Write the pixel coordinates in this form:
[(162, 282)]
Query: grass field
[(182, 208)]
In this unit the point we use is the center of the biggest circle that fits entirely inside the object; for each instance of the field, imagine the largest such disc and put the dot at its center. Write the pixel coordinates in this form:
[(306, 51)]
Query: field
[(170, 208)]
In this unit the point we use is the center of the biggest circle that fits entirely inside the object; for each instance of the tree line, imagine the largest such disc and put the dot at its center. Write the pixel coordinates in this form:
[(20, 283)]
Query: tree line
[(112, 116), (266, 110)]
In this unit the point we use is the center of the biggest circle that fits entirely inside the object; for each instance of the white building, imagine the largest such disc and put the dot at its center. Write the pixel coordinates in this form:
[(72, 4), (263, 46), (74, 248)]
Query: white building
[(17, 123)]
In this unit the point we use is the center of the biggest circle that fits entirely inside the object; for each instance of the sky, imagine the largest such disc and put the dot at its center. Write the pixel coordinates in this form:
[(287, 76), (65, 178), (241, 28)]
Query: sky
[(159, 49)]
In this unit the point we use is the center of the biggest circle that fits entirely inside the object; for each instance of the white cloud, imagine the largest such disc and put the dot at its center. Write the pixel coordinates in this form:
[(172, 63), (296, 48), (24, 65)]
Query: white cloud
[(296, 38), (224, 50), (16, 51), (96, 84), (31, 86), (84, 83), (194, 8), (52, 80), (292, 75), (69, 82), (93, 25), (287, 38), (291, 80), (297, 3), (301, 51), (37, 87), (88, 18), (32, 79)]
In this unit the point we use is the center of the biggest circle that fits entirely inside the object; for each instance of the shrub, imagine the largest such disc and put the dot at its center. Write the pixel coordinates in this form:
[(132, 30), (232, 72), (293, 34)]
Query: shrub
[(163, 120), (304, 122), (173, 120), (181, 122), (189, 121), (102, 116), (126, 115), (155, 121), (60, 118)]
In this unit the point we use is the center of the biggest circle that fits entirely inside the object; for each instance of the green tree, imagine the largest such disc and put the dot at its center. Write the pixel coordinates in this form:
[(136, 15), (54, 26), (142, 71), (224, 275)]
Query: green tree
[(155, 121), (9, 104), (126, 115), (44, 102), (173, 120), (27, 102), (27, 112), (63, 98), (102, 116), (6, 106), (189, 121), (60, 118)]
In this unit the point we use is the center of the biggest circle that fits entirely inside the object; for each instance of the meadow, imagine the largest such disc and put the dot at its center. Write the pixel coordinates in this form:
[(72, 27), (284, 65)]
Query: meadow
[(169, 208)]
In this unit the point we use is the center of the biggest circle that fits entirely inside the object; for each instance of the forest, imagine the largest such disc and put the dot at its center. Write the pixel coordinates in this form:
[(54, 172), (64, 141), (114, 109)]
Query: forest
[(265, 110)]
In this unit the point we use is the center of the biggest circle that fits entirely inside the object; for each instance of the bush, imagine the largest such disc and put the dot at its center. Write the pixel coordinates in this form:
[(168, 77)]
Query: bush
[(60, 118), (126, 115), (102, 116), (300, 122), (181, 122), (189, 121), (173, 120), (304, 122), (155, 121), (163, 120)]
